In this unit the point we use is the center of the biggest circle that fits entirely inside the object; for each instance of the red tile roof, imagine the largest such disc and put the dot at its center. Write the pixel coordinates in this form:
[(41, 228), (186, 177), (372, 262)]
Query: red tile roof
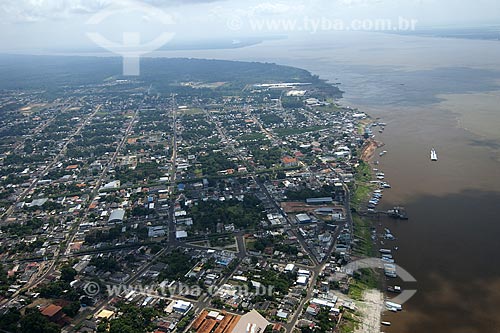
[(51, 310)]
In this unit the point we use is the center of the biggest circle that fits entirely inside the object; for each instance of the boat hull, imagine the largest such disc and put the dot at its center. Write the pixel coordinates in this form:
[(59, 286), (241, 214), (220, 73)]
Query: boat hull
[(434, 156)]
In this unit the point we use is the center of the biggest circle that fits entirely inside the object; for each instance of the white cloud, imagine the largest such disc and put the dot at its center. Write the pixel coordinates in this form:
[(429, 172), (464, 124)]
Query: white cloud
[(65, 21), (352, 3), (42, 10), (271, 8)]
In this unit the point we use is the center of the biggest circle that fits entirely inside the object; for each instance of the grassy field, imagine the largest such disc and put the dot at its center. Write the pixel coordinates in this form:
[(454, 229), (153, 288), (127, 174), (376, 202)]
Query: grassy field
[(362, 234), (253, 137), (361, 195), (190, 111), (349, 323), (363, 186), (366, 279), (363, 173), (362, 226), (294, 131), (328, 108)]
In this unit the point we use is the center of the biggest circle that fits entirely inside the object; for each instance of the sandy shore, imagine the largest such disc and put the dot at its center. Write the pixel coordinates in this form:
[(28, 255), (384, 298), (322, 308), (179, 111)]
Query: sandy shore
[(369, 149), (370, 311)]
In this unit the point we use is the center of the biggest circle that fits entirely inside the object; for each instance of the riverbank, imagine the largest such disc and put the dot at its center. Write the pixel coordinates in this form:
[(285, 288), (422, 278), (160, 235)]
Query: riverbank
[(371, 308), (369, 150), (364, 284), (362, 185), (363, 288)]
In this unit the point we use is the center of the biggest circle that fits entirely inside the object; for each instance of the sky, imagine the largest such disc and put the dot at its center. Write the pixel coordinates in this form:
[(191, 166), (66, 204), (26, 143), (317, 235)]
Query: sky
[(31, 25)]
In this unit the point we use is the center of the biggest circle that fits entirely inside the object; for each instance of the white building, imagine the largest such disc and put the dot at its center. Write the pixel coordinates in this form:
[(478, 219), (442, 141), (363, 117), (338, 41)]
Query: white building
[(158, 231), (117, 216), (302, 280), (182, 306)]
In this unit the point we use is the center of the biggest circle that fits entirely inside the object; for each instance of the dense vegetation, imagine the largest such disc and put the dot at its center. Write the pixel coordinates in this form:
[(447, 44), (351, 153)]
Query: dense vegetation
[(142, 171), (276, 243), (133, 319), (54, 74), (305, 193), (178, 264), (267, 157), (279, 281), (33, 321), (214, 162), (23, 229), (243, 214), (5, 282)]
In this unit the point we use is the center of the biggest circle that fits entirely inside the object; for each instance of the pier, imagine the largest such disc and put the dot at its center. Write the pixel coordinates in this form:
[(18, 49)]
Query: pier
[(397, 213)]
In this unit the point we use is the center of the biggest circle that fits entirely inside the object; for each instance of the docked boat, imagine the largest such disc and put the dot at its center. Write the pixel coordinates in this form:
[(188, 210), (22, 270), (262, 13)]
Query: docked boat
[(390, 270), (398, 213), (389, 237), (394, 289), (386, 323), (434, 156), (396, 306)]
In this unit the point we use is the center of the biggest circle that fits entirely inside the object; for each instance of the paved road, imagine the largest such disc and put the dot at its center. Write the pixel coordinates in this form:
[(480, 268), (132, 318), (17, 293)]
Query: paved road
[(173, 174)]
